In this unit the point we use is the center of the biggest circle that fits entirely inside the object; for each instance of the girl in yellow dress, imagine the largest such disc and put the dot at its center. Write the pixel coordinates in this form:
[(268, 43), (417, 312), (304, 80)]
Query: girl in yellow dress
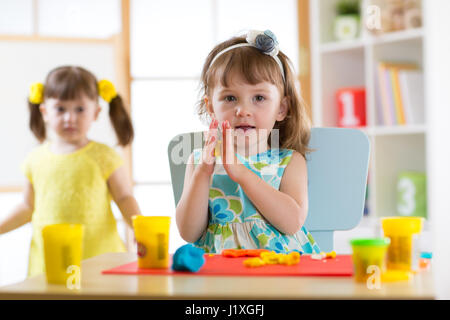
[(71, 179)]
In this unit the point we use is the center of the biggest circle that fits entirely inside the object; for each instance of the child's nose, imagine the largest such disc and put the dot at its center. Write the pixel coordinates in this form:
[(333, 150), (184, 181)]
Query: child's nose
[(242, 111), (70, 116)]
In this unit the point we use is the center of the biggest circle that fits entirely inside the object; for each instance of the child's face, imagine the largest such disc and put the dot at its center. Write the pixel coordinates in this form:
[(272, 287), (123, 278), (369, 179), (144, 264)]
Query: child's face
[(70, 119), (252, 110)]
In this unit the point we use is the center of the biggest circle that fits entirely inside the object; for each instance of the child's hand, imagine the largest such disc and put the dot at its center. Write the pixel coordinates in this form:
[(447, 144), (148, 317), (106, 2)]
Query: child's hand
[(208, 157), (232, 165)]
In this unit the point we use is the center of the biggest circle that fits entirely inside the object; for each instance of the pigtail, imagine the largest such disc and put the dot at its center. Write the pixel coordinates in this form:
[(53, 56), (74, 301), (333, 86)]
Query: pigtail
[(37, 124), (121, 121)]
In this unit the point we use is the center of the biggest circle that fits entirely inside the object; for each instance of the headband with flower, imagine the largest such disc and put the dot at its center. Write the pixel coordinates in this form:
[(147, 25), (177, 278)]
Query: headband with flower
[(264, 41), (106, 90)]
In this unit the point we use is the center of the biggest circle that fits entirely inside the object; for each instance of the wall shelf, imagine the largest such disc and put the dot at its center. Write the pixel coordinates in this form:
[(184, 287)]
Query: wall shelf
[(331, 47), (394, 130), (397, 36), (354, 63)]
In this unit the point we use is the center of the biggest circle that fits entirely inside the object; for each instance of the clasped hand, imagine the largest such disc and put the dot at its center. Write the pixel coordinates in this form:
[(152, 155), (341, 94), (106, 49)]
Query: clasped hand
[(234, 168)]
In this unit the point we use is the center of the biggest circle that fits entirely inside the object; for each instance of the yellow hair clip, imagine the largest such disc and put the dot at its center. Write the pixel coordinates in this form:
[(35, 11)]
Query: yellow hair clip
[(36, 93), (106, 90)]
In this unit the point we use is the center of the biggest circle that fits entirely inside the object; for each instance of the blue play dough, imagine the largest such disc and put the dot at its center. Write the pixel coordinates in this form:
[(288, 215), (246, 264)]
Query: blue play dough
[(188, 258)]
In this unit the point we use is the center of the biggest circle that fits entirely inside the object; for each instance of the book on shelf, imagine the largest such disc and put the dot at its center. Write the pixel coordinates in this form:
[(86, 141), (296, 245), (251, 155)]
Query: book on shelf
[(411, 87), (400, 94), (397, 96)]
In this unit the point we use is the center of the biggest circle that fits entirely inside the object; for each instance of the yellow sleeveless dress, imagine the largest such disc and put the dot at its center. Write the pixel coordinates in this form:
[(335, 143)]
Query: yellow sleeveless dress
[(72, 188)]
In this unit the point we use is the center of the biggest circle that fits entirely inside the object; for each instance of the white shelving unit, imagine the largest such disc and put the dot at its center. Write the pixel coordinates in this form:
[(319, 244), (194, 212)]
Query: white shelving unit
[(354, 63)]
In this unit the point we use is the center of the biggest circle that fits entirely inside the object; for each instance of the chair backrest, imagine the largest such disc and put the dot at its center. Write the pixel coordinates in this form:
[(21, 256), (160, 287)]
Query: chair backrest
[(337, 177)]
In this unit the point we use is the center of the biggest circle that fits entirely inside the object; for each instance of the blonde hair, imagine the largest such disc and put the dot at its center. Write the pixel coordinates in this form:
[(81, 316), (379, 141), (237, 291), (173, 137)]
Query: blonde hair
[(256, 67), (70, 82)]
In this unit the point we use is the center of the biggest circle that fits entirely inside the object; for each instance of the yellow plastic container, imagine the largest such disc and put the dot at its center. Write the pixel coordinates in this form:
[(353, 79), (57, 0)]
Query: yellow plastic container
[(369, 256), (63, 248), (152, 237), (403, 253)]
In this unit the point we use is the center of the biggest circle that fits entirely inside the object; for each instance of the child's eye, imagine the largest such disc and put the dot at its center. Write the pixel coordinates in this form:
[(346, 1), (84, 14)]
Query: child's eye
[(79, 109), (230, 98), (60, 109), (259, 98)]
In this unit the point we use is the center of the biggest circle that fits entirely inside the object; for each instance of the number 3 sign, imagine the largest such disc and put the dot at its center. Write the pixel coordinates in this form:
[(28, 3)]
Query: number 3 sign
[(351, 104), (411, 194)]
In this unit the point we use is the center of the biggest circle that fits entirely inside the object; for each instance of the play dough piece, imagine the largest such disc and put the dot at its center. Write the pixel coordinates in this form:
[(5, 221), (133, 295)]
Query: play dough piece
[(188, 258), (292, 258), (235, 253), (254, 262), (271, 257)]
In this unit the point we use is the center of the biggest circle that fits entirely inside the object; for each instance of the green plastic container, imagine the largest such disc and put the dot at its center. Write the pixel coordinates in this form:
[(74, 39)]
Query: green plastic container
[(368, 252)]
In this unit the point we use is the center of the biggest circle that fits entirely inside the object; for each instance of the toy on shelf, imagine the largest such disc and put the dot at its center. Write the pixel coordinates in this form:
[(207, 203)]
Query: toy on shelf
[(347, 21), (412, 194), (397, 15), (351, 104), (188, 258)]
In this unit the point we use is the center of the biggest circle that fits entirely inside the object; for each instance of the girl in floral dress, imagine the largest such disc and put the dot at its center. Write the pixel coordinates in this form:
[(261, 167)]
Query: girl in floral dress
[(247, 187)]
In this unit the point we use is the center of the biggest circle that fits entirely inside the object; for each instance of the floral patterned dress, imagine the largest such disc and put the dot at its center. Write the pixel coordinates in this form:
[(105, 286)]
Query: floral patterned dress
[(235, 223)]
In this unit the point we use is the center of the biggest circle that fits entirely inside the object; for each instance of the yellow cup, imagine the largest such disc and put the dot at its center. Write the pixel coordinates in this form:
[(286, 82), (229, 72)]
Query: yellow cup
[(152, 237), (403, 232), (369, 257), (63, 244)]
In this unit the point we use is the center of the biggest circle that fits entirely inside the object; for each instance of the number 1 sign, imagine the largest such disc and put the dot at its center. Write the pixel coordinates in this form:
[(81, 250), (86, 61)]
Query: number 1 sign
[(351, 104)]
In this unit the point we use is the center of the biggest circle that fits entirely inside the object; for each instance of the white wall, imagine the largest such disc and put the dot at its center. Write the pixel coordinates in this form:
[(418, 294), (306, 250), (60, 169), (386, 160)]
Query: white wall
[(438, 63), (14, 246)]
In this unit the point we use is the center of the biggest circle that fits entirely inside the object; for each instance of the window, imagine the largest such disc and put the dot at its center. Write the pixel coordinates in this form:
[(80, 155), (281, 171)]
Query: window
[(16, 17)]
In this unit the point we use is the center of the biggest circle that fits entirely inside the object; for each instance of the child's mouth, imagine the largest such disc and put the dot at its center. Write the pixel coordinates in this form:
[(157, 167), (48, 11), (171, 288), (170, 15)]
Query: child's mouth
[(245, 128)]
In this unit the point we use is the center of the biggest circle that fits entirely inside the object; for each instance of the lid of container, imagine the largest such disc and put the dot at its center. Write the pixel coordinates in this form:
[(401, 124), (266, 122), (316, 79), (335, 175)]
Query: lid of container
[(401, 225), (426, 255), (372, 242)]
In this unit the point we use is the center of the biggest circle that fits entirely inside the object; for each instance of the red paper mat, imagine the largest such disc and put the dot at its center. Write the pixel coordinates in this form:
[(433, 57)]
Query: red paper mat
[(218, 265)]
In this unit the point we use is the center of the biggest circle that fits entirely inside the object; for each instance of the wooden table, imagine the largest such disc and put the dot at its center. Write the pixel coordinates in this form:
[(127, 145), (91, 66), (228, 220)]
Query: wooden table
[(95, 285)]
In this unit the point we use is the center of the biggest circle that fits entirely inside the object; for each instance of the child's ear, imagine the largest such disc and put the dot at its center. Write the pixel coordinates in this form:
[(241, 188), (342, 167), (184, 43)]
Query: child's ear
[(209, 107), (43, 111), (284, 108), (97, 112)]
